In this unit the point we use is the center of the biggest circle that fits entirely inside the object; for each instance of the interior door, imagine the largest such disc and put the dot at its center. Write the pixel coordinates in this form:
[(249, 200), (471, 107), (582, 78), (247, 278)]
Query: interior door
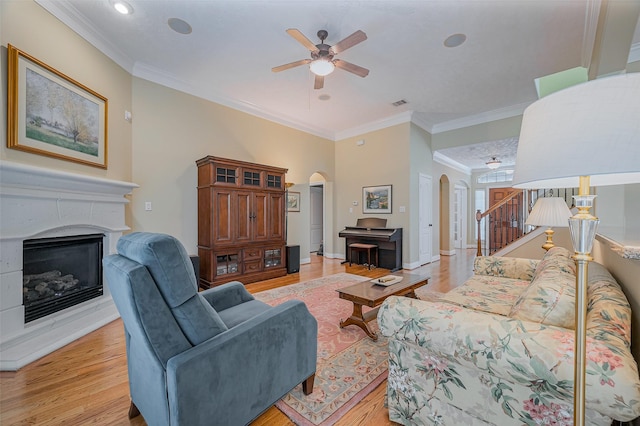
[(460, 217), (316, 220), (425, 220)]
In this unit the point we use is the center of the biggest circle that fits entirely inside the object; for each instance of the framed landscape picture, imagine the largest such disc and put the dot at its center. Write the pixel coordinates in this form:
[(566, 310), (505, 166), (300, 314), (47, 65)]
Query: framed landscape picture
[(376, 199), (51, 114), (293, 201)]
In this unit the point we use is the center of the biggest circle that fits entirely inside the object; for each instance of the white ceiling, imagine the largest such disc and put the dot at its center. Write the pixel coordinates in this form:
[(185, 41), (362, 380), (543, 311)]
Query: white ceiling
[(234, 44)]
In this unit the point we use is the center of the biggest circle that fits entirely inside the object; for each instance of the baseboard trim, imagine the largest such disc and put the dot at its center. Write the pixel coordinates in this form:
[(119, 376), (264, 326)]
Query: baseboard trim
[(447, 253)]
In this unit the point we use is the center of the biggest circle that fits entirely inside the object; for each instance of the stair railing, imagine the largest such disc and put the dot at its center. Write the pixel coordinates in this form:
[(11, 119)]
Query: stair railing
[(506, 219), (505, 222)]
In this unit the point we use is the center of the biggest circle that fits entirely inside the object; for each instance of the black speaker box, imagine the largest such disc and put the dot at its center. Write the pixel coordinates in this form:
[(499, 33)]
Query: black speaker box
[(293, 259)]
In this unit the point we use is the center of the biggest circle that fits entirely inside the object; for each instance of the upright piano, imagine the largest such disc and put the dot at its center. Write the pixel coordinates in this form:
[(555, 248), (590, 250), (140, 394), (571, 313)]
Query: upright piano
[(373, 230)]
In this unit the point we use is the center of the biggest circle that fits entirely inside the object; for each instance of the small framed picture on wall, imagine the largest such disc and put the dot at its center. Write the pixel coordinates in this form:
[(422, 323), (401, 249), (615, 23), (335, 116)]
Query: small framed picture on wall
[(293, 201), (376, 199)]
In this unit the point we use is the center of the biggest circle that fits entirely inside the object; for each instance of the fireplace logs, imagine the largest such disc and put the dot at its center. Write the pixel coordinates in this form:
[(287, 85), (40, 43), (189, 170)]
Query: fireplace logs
[(47, 284)]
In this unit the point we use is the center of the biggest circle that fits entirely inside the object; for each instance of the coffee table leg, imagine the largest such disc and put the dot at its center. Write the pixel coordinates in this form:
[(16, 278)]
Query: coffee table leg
[(357, 318)]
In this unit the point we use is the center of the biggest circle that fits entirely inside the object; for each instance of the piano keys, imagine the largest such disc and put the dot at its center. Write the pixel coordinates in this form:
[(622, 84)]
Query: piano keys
[(373, 230)]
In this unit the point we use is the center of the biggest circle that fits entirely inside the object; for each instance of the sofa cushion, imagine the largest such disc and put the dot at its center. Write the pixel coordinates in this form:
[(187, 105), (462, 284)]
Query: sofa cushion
[(487, 294), (506, 267), (557, 258), (549, 299)]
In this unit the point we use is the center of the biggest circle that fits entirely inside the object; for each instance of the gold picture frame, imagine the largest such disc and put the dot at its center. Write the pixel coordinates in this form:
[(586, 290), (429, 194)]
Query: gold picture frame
[(49, 113)]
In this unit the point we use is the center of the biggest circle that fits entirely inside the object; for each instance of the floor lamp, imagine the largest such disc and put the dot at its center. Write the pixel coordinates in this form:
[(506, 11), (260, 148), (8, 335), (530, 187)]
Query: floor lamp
[(588, 134)]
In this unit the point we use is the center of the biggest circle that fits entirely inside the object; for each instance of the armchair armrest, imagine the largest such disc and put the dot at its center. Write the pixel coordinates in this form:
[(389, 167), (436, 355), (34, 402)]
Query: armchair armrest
[(505, 267), (227, 295), (249, 366), (528, 354)]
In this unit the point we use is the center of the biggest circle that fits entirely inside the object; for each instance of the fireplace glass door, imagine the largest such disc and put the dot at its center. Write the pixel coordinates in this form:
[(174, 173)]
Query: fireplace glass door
[(60, 272)]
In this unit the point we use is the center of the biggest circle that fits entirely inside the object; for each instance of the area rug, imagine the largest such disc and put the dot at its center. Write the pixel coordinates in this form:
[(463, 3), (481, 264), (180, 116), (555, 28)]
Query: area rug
[(350, 364)]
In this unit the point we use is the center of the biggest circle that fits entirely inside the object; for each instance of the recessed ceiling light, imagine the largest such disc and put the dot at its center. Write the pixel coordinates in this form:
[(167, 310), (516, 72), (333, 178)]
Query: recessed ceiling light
[(123, 7), (455, 40), (324, 97), (179, 26)]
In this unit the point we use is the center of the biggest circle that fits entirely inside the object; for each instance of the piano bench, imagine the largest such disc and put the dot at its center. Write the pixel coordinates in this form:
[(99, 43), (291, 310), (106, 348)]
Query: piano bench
[(361, 247)]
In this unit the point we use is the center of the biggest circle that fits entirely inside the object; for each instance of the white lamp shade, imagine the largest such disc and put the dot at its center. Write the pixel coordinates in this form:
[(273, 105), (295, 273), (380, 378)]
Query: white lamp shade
[(551, 212), (592, 129)]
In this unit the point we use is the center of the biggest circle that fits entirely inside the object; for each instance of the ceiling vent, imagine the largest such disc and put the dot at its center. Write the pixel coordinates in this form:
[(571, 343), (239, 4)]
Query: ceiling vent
[(398, 103)]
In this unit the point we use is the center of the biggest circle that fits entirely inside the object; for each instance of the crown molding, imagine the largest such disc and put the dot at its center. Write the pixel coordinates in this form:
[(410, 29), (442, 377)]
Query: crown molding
[(403, 117), (446, 161), (634, 54), (422, 122), (162, 78), (69, 15), (481, 118), (590, 30)]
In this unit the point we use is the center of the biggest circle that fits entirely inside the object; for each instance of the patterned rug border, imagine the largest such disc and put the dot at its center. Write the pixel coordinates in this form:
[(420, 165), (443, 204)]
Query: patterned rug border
[(318, 415)]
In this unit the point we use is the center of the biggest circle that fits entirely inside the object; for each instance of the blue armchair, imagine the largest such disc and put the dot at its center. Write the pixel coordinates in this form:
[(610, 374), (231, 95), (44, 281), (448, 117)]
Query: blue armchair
[(214, 357)]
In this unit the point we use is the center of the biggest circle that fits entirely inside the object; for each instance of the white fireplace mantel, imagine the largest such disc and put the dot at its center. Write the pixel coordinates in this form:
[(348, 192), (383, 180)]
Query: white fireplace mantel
[(37, 202)]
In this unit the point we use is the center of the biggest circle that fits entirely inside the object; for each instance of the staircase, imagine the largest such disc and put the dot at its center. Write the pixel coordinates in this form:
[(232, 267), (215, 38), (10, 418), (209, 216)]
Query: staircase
[(504, 222)]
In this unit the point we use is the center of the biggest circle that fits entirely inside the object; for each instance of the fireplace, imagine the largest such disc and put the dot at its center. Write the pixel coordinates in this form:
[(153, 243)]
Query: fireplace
[(43, 214), (59, 273)]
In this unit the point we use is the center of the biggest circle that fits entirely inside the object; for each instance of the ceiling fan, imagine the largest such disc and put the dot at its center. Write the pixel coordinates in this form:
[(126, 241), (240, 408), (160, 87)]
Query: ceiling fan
[(322, 60)]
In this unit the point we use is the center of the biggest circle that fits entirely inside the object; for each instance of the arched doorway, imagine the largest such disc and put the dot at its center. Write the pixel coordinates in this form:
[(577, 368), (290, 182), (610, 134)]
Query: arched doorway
[(446, 244)]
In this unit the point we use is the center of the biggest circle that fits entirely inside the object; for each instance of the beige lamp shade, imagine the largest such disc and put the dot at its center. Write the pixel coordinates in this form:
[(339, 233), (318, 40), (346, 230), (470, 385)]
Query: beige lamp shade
[(591, 129), (551, 212)]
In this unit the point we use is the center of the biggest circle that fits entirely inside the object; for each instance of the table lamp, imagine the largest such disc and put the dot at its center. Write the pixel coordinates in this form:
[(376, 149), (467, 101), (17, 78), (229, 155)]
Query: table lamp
[(551, 212), (588, 134)]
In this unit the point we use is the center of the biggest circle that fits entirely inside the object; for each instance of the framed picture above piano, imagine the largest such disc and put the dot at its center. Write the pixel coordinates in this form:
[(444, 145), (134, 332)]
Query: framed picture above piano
[(376, 199)]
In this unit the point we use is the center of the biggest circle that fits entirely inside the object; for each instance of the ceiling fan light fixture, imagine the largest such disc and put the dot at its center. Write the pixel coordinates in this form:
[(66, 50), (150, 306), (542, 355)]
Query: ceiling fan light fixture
[(322, 67), (494, 163)]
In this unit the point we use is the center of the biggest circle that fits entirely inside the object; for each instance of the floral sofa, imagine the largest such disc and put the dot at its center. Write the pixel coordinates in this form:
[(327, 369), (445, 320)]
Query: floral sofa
[(499, 349)]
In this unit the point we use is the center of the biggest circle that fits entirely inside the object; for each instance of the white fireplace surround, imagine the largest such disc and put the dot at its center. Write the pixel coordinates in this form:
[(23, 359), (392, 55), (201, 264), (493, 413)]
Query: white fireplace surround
[(39, 203)]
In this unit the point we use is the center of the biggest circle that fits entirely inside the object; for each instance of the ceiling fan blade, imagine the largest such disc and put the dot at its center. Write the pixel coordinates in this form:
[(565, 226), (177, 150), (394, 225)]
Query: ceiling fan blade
[(352, 68), (348, 42), (319, 83), (302, 39), (290, 65)]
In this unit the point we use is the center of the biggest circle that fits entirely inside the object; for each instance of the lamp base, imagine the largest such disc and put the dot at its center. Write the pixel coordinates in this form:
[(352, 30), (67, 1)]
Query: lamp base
[(549, 243)]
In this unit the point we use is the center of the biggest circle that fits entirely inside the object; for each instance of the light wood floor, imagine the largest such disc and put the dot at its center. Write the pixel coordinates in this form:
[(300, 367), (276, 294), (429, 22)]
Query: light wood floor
[(85, 382)]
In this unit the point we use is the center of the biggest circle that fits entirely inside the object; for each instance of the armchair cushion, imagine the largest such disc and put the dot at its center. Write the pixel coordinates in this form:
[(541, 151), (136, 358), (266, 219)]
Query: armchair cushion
[(227, 295), (169, 265), (142, 307), (240, 313)]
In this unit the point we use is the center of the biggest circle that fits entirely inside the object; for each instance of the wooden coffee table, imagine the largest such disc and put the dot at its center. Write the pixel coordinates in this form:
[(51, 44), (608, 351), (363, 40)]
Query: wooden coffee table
[(367, 293)]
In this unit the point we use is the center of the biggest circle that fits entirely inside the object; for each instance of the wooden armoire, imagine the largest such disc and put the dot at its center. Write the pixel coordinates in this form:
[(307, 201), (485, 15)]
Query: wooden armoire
[(241, 221)]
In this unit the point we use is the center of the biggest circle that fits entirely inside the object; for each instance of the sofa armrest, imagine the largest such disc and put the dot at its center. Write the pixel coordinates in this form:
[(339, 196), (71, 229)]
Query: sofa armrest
[(227, 295), (245, 369), (505, 267), (534, 355)]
